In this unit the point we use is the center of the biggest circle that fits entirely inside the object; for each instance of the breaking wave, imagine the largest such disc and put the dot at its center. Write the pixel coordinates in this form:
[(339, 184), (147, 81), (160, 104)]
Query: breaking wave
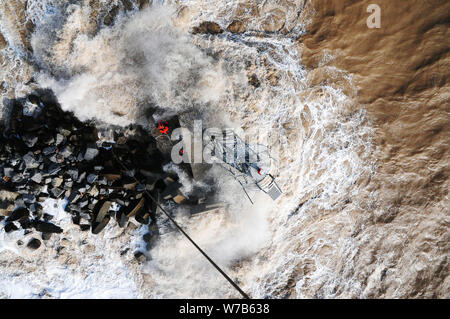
[(148, 58)]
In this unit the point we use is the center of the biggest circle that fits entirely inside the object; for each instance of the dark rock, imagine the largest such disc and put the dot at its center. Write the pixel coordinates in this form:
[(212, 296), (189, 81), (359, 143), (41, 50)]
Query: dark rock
[(59, 139), (46, 236), (56, 192), (29, 139), (9, 227), (25, 223), (140, 257), (57, 181), (102, 209), (143, 217), (137, 207), (109, 19), (49, 150), (17, 214), (29, 198), (92, 178), (253, 80), (98, 227), (8, 171), (46, 227), (73, 173), (37, 178), (30, 161), (121, 218), (47, 217), (66, 152), (74, 196), (81, 177), (90, 153), (52, 169), (236, 27), (68, 185), (171, 191), (85, 227), (83, 204), (34, 244), (47, 139), (148, 237), (207, 27), (76, 219)]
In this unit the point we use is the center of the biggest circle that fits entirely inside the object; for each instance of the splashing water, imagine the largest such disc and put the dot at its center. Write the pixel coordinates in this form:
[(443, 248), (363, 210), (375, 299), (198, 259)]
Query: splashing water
[(288, 248)]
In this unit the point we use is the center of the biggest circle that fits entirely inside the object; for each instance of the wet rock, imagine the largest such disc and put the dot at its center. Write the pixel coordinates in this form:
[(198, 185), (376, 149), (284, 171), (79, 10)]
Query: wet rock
[(109, 19), (57, 192), (171, 191), (137, 207), (8, 196), (74, 196), (9, 227), (73, 173), (179, 199), (47, 217), (142, 4), (254, 81), (207, 27), (140, 257), (103, 208), (148, 237), (64, 132), (29, 139), (66, 151), (34, 243), (6, 208), (76, 219), (25, 223), (59, 139), (37, 178), (121, 218), (47, 139), (49, 150), (90, 153), (92, 178), (30, 161), (127, 5), (98, 227), (29, 198), (8, 172), (93, 192), (236, 26), (46, 236), (85, 227), (17, 214), (143, 216), (57, 181), (83, 204), (81, 178), (46, 227), (52, 169)]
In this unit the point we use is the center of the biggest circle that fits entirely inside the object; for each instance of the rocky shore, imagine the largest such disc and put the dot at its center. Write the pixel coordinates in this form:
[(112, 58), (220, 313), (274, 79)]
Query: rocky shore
[(105, 176)]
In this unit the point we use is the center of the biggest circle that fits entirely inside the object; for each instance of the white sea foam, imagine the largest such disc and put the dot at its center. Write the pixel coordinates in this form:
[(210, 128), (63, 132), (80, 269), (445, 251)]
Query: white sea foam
[(271, 248)]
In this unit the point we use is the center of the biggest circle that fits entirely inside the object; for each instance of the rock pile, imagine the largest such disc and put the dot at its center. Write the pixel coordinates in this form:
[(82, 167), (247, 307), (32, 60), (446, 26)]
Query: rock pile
[(47, 153)]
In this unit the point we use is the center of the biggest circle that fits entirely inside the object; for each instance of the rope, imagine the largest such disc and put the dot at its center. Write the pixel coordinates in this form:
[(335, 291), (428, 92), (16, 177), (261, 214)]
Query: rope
[(187, 236)]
